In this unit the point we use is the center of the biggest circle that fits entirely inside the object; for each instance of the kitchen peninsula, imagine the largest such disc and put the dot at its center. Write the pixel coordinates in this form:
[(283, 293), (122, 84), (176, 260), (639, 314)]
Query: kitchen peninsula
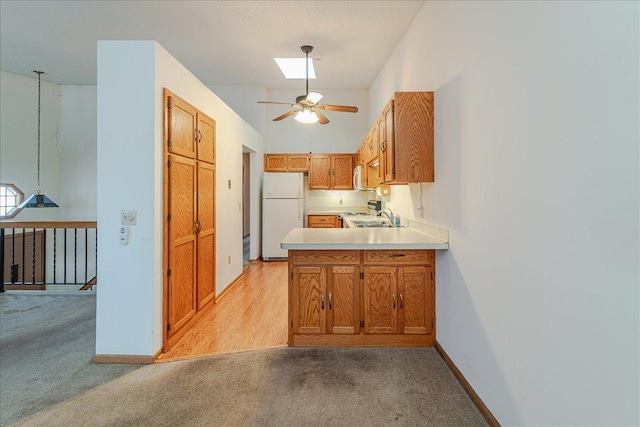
[(362, 287)]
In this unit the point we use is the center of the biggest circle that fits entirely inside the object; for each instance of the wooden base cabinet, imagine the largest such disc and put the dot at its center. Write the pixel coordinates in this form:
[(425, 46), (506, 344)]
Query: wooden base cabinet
[(324, 221), (325, 299), (398, 300), (362, 298)]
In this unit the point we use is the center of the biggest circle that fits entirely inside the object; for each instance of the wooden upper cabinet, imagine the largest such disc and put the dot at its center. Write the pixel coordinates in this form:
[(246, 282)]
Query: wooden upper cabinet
[(206, 137), (331, 172), (342, 171), (182, 121), (406, 142), (286, 162), (298, 163), (191, 133), (319, 172), (275, 163)]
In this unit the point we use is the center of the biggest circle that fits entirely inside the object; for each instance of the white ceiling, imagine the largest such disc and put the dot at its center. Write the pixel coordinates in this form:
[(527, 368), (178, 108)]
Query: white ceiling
[(221, 42)]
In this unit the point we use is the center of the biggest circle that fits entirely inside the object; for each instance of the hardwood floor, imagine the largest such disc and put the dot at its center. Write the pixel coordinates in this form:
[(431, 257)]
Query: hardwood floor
[(250, 315)]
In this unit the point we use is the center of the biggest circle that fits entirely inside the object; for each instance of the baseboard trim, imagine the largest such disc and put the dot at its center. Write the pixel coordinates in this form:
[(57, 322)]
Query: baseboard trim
[(225, 290), (484, 411), (124, 358)]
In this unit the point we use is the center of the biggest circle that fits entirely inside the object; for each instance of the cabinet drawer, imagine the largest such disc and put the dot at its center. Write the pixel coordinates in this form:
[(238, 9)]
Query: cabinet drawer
[(398, 257), (349, 257), (327, 221)]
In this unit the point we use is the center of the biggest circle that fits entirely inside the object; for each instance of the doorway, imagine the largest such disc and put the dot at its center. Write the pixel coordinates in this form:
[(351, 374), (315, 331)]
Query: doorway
[(246, 206)]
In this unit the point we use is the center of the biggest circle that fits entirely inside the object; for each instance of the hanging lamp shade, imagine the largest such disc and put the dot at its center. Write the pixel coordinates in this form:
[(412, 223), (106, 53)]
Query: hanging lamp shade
[(38, 200)]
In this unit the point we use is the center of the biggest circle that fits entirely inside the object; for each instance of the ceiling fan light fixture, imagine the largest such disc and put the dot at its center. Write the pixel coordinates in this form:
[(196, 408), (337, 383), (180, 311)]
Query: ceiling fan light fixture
[(306, 116), (294, 68)]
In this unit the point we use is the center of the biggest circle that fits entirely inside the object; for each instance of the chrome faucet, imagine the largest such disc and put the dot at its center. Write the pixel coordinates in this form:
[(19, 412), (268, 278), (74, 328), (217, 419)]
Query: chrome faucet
[(389, 215)]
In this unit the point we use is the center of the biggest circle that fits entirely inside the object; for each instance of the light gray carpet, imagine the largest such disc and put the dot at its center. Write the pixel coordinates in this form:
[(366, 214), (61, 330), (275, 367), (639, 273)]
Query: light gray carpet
[(47, 342), (280, 387)]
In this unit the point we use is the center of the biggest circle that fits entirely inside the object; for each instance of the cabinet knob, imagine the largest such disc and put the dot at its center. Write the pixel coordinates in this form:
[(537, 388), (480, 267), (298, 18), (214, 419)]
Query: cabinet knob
[(394, 301), (322, 300), (401, 301), (329, 300)]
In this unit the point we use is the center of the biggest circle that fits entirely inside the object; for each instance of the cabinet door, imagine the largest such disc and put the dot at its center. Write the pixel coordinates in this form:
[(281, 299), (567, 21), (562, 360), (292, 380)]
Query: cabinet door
[(415, 293), (382, 146), (275, 162), (206, 138), (343, 300), (206, 267), (182, 123), (342, 171), (309, 300), (298, 163), (182, 242), (389, 146), (319, 172), (374, 142), (380, 300)]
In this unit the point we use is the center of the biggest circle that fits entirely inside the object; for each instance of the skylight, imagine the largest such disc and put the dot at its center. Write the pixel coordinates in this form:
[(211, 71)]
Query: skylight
[(293, 68)]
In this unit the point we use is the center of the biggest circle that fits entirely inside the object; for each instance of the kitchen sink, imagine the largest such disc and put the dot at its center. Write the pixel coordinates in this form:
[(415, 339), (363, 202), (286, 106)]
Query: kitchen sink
[(372, 223)]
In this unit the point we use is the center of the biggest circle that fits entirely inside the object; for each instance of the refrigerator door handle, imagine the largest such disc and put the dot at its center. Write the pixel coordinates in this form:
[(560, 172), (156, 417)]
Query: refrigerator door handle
[(299, 208)]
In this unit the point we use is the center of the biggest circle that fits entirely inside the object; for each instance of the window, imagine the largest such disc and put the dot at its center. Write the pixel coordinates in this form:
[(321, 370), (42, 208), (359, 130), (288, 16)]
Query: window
[(10, 198)]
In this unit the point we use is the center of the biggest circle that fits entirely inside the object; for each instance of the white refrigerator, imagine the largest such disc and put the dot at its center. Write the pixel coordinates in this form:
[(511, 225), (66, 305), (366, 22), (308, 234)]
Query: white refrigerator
[(282, 211)]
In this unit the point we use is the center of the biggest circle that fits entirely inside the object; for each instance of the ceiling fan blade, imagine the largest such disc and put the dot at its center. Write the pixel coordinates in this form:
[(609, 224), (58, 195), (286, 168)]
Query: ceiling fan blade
[(279, 103), (342, 108), (285, 115), (322, 119)]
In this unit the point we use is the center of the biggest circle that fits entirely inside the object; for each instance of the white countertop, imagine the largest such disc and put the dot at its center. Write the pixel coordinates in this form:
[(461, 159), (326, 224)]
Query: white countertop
[(360, 238)]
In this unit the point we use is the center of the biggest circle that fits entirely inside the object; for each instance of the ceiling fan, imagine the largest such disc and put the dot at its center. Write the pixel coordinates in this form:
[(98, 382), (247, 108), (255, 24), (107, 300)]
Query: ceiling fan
[(307, 108)]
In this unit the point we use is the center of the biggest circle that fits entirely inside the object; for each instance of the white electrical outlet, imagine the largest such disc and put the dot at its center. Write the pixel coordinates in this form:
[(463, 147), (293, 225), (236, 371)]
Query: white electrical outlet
[(128, 217)]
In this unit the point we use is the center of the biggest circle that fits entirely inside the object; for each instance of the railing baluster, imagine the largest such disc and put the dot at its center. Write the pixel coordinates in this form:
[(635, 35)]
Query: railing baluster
[(65, 256), (24, 281), (75, 255), (55, 232), (33, 259), (86, 252), (13, 253)]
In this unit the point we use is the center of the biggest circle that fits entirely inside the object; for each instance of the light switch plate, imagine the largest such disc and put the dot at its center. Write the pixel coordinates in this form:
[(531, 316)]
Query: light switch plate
[(128, 217)]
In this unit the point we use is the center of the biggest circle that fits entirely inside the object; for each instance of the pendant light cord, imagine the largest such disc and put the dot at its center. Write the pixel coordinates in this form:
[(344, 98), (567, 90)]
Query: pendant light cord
[(39, 74)]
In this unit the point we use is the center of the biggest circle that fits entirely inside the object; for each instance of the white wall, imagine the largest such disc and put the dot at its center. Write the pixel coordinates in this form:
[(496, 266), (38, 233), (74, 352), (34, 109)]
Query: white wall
[(536, 156), (137, 71), (343, 134), (19, 140), (244, 101), (78, 121)]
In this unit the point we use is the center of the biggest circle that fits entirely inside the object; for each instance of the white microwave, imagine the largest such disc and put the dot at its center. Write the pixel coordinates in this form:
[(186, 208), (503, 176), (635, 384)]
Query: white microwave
[(358, 178)]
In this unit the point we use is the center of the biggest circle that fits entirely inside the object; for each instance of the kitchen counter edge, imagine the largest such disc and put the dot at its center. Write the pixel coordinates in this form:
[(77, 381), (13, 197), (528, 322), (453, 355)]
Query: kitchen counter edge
[(363, 239)]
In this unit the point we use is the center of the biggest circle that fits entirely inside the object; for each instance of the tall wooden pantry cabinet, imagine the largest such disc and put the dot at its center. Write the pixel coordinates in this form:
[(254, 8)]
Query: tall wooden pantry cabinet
[(189, 227)]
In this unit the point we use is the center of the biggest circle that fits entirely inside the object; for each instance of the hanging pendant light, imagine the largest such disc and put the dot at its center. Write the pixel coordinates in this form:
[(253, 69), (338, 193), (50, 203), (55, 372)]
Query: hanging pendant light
[(38, 200)]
